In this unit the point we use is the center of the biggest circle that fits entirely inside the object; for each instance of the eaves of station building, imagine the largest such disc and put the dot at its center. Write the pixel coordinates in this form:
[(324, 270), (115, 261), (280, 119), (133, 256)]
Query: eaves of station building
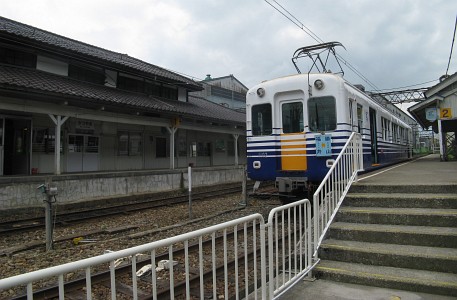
[(439, 112), (108, 111)]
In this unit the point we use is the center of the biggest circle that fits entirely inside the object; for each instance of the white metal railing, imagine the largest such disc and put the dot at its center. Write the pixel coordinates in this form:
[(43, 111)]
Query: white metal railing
[(292, 252), (331, 192), (289, 246), (250, 242)]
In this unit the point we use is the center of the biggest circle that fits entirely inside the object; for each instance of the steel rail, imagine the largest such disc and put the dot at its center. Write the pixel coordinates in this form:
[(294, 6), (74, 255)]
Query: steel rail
[(100, 277), (65, 218)]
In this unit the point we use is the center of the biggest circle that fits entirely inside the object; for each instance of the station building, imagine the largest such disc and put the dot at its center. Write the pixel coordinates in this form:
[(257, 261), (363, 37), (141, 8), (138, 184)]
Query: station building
[(439, 112), (97, 123), (226, 91)]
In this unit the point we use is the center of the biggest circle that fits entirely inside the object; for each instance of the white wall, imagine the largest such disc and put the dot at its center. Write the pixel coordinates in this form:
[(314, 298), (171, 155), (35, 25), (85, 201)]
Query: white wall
[(52, 65)]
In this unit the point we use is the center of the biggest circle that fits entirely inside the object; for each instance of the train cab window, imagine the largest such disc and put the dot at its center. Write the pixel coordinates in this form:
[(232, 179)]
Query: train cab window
[(322, 113), (261, 119), (292, 117)]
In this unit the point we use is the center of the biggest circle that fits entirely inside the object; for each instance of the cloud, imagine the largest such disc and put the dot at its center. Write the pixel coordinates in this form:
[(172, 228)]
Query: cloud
[(393, 43)]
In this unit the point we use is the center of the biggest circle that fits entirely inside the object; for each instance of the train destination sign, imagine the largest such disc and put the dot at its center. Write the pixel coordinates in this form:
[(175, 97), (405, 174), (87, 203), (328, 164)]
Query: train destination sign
[(323, 145)]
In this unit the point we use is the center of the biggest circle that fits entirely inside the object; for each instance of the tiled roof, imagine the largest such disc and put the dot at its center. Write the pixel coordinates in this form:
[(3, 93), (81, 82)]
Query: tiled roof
[(36, 82), (218, 111), (21, 31)]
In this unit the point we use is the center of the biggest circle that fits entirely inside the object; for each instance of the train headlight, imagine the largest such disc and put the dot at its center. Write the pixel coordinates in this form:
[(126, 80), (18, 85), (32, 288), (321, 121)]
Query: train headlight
[(319, 84), (260, 92)]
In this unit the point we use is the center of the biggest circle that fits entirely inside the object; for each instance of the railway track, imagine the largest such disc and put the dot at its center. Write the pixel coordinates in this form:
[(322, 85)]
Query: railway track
[(213, 273), (199, 275), (82, 215)]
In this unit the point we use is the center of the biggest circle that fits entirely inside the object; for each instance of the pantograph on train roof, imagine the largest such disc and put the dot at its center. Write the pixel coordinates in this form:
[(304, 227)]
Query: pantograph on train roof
[(320, 56)]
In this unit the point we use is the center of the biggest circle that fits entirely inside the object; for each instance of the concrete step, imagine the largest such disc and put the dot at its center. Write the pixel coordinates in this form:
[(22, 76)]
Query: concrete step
[(401, 256), (360, 187), (445, 237), (401, 200), (388, 277), (399, 216)]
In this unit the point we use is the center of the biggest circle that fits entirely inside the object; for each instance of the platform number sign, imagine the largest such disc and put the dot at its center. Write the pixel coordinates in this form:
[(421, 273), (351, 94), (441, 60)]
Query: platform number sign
[(323, 145), (431, 114), (445, 113)]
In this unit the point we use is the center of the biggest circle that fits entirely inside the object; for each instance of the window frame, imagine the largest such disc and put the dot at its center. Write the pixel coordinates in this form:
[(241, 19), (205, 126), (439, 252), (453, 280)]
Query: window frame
[(254, 121), (86, 74), (17, 57), (300, 121), (333, 121), (131, 146)]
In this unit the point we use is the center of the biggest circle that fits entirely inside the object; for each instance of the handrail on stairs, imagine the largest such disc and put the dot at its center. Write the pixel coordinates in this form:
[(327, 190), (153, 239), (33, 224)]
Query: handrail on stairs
[(332, 190)]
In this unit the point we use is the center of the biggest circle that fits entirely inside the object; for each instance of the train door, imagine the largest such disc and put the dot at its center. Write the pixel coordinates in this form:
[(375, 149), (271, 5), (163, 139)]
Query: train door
[(293, 142), (374, 137), (351, 114)]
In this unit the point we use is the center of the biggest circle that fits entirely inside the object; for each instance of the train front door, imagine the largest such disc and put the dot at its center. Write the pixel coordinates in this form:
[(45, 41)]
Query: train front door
[(374, 137), (293, 142)]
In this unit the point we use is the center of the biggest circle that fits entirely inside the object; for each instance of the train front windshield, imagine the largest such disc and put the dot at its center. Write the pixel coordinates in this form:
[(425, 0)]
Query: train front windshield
[(261, 120), (322, 113), (292, 117)]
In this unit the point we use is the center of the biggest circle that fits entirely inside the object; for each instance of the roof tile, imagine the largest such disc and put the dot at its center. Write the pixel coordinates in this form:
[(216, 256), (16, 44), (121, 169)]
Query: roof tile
[(41, 36), (34, 81)]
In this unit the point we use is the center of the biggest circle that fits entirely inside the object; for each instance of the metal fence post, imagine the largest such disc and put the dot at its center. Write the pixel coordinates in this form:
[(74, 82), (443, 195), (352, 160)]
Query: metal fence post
[(189, 180)]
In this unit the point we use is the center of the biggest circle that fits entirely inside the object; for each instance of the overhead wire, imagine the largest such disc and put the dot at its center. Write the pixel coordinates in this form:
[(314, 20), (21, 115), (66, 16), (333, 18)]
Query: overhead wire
[(452, 45), (407, 86), (315, 37), (300, 24)]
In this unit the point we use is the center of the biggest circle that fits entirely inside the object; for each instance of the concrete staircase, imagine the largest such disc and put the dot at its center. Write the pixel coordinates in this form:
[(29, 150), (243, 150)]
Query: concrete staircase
[(398, 237)]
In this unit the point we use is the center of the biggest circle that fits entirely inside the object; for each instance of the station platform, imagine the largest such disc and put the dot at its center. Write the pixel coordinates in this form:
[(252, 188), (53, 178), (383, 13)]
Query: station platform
[(427, 172), (19, 192)]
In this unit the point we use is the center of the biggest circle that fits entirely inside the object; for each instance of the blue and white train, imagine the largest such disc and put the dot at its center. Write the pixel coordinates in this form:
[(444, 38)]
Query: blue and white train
[(297, 126)]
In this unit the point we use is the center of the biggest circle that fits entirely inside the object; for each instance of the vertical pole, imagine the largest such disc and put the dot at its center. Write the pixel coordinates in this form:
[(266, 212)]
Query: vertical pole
[(235, 137), (263, 261), (57, 144), (58, 121), (48, 220), (172, 131), (440, 136), (189, 177), (244, 194)]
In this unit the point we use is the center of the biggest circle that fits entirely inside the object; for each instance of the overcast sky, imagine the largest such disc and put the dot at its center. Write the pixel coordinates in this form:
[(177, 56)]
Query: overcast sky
[(393, 43)]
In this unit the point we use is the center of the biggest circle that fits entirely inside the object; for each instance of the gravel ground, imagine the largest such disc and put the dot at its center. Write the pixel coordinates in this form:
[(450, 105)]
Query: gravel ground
[(150, 225)]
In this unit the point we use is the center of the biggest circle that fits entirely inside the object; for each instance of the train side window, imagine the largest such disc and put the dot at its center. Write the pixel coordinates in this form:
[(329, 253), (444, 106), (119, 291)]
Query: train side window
[(384, 128), (351, 114), (261, 119), (322, 113), (360, 117), (292, 117)]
